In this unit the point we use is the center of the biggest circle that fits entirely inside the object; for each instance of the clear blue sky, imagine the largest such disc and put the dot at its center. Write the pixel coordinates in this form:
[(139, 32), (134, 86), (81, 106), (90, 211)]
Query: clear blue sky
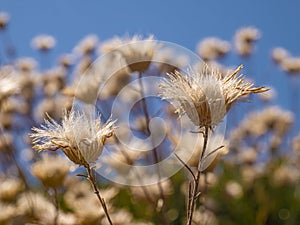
[(182, 22)]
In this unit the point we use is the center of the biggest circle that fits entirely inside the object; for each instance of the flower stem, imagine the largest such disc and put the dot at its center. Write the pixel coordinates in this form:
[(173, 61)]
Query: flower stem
[(56, 206), (154, 150), (96, 191), (195, 194)]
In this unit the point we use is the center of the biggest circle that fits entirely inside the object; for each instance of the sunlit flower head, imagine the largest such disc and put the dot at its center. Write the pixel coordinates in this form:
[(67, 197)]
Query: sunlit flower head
[(203, 217), (138, 52), (87, 45), (53, 80), (52, 106), (272, 120), (233, 189), (291, 65), (81, 138), (10, 188), (248, 34), (206, 96), (43, 42), (38, 207), (285, 175), (9, 84), (168, 60), (4, 19), (279, 54), (122, 158), (8, 211), (26, 64), (51, 170), (212, 48), (85, 88), (66, 60), (79, 194), (244, 40)]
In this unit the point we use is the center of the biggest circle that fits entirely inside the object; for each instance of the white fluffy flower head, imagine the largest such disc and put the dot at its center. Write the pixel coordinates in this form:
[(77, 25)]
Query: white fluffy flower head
[(137, 52), (80, 137), (43, 42), (9, 85), (207, 96)]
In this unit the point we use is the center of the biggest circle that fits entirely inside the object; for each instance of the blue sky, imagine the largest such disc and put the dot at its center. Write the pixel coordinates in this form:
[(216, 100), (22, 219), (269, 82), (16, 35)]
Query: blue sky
[(182, 22)]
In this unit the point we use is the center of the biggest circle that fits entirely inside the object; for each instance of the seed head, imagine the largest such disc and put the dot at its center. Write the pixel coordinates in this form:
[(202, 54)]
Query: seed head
[(79, 137), (206, 96)]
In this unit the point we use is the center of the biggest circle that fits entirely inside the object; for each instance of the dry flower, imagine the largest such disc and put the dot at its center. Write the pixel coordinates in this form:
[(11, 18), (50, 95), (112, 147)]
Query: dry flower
[(204, 217), (279, 54), (79, 194), (7, 213), (53, 81), (10, 188), (123, 158), (213, 66), (9, 84), (43, 42), (54, 107), (244, 40), (66, 60), (85, 89), (83, 65), (166, 61), (36, 207), (79, 136), (4, 19), (291, 65), (206, 97), (26, 64), (285, 175), (87, 45), (138, 52), (249, 175), (272, 119), (247, 156), (234, 189), (90, 214), (51, 170), (27, 83), (212, 48), (112, 72)]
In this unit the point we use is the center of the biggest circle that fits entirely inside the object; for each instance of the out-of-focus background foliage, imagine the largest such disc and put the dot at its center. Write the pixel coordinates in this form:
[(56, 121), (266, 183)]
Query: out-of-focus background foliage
[(257, 182)]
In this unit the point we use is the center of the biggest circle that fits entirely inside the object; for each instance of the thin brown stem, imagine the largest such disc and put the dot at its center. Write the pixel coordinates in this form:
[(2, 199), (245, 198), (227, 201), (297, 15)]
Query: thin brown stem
[(147, 117), (56, 206), (155, 153), (195, 193), (186, 166), (92, 180), (189, 198)]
